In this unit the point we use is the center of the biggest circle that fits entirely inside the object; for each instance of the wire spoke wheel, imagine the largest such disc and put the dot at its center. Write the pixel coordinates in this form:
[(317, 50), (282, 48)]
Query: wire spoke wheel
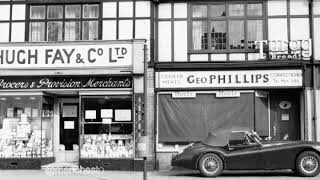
[(309, 164), (210, 165)]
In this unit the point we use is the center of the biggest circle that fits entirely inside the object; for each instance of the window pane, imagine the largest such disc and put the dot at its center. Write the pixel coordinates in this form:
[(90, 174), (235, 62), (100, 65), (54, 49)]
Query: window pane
[(90, 30), (164, 41), (17, 30), (164, 10), (54, 31), (254, 9), (73, 11), (199, 35), (299, 33), (125, 29), (180, 10), (37, 12), (109, 30), (317, 38), (299, 7), (36, 31), (316, 7), (277, 7), (278, 29), (4, 32), (218, 35), (199, 11), (217, 11), (72, 31), (90, 11), (125, 9), (236, 34), (18, 12), (254, 32), (54, 12), (236, 10), (109, 9), (4, 12)]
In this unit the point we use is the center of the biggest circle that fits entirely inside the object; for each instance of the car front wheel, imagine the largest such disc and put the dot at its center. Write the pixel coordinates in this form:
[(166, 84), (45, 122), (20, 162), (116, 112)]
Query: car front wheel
[(210, 165), (308, 164)]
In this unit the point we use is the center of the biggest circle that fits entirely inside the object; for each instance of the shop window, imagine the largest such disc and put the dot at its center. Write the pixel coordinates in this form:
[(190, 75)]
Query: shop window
[(185, 120), (107, 130), (26, 126), (64, 22), (226, 27)]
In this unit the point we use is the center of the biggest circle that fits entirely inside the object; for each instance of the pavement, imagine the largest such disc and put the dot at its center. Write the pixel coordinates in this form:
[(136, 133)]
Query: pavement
[(92, 174)]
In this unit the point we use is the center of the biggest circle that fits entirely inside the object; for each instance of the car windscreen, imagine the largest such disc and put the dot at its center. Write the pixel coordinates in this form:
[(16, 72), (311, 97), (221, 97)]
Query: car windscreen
[(217, 139)]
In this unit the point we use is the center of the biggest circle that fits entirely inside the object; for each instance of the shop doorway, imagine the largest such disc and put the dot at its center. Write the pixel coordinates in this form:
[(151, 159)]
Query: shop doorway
[(285, 116), (69, 126)]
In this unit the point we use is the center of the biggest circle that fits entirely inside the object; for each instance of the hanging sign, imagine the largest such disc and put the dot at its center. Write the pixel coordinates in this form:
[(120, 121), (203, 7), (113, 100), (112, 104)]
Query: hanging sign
[(184, 94), (65, 55), (70, 82), (231, 79), (228, 94), (286, 50)]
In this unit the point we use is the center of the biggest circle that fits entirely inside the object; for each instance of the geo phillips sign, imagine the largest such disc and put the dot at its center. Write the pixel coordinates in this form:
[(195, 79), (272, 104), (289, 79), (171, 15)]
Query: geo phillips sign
[(65, 56), (229, 79)]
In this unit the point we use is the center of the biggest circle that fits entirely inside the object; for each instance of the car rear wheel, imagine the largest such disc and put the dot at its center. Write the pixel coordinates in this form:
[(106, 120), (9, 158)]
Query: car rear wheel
[(210, 165), (308, 164)]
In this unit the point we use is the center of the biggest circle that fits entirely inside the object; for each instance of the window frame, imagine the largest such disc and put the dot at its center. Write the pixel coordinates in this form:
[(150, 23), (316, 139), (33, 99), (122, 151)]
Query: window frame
[(64, 19), (226, 19)]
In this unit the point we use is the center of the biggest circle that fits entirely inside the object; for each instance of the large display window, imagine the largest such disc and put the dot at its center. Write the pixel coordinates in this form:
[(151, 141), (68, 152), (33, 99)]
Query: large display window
[(107, 127), (26, 126), (182, 120)]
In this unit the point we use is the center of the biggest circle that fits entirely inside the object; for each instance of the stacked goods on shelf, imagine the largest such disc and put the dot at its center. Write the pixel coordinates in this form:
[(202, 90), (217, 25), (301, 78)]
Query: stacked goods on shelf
[(18, 140), (111, 146)]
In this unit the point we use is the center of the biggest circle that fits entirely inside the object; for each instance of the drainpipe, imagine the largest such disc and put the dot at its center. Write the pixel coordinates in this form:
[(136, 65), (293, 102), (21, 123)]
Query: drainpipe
[(314, 118)]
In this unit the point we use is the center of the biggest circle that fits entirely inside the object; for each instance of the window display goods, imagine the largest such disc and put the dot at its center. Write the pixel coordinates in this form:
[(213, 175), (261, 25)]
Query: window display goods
[(107, 146), (23, 140), (25, 131)]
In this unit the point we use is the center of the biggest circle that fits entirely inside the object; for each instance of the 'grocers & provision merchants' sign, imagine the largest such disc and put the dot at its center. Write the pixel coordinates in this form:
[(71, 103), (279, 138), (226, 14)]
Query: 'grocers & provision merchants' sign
[(65, 56), (70, 82), (221, 79)]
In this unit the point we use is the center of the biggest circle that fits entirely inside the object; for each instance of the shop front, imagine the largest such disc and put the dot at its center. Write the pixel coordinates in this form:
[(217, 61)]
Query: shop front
[(192, 104), (71, 103)]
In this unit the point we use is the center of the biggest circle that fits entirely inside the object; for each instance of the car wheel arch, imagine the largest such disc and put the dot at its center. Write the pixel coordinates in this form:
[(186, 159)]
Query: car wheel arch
[(304, 150), (209, 152)]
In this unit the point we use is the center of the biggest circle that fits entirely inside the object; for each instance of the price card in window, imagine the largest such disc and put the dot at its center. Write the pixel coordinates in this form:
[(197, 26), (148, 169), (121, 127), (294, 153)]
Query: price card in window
[(123, 115), (68, 124), (90, 114), (106, 113), (106, 121)]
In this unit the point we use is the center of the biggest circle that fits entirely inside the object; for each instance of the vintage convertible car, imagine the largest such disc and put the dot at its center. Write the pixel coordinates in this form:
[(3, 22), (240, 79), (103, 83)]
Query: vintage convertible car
[(245, 150)]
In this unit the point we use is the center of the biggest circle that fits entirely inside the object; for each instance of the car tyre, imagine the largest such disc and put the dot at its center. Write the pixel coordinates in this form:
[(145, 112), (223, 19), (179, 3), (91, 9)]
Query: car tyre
[(210, 165), (308, 164)]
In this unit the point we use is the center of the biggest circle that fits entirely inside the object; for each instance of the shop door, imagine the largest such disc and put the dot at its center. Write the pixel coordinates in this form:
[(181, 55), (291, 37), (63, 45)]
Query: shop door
[(69, 125), (285, 116)]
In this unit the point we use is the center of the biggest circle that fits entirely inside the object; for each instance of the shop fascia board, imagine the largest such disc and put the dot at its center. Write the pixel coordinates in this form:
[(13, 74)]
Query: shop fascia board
[(228, 65)]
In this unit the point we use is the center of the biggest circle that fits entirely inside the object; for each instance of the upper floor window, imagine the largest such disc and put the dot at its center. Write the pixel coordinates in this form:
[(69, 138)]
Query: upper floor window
[(64, 22), (227, 26)]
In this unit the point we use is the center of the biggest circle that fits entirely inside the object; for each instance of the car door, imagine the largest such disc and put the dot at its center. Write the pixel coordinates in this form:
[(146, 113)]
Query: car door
[(242, 155)]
